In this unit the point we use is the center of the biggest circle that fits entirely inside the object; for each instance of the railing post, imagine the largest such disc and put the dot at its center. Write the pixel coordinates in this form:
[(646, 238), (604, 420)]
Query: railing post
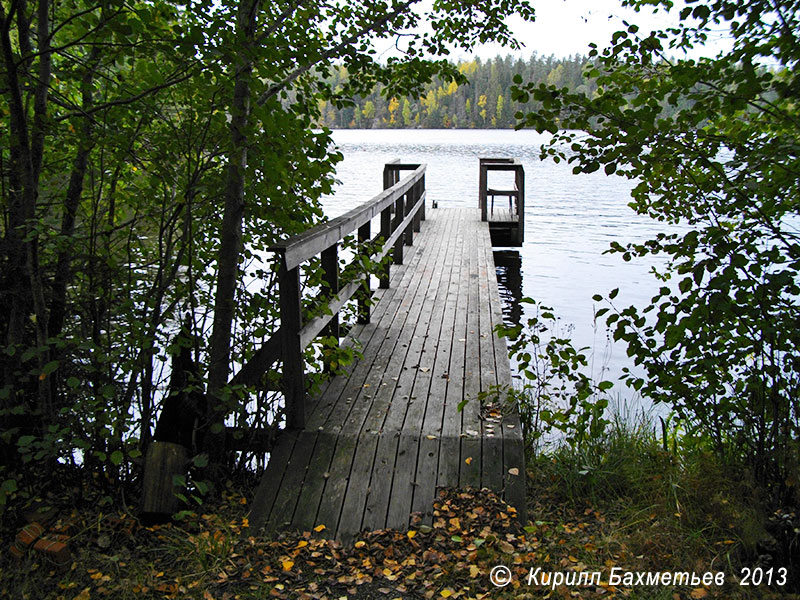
[(422, 187), (294, 387), (417, 211), (482, 191), (411, 199), (398, 218), (330, 267), (386, 231), (366, 292), (520, 181)]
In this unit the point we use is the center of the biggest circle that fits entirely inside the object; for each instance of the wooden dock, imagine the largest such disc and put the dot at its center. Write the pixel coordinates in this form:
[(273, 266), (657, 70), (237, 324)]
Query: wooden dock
[(376, 444)]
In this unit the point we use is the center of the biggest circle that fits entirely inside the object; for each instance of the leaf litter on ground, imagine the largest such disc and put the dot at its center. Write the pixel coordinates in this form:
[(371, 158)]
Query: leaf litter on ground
[(449, 554)]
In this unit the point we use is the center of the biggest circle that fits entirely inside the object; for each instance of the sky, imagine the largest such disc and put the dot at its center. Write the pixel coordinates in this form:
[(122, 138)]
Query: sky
[(567, 27)]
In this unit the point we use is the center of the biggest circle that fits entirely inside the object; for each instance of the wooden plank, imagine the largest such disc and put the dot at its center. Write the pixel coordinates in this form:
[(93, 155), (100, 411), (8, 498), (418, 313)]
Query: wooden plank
[(286, 500), (514, 465), (361, 283), (449, 447), (492, 459), (270, 483), (473, 430), (314, 326), (403, 482), (402, 359), (447, 475), (426, 474), (470, 465), (355, 498), (470, 415), (502, 215), (317, 473), (411, 368), (431, 422), (432, 352), (330, 509), (379, 490), (482, 190)]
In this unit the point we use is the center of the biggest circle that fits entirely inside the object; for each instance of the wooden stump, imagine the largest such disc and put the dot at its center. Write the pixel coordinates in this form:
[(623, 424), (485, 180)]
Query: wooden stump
[(164, 460)]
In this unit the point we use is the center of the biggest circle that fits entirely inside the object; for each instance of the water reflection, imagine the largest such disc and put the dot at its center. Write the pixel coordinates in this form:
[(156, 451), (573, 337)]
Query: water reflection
[(508, 265)]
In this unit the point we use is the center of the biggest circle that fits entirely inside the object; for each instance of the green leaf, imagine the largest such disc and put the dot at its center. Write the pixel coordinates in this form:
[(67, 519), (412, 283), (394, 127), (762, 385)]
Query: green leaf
[(25, 441), (50, 367)]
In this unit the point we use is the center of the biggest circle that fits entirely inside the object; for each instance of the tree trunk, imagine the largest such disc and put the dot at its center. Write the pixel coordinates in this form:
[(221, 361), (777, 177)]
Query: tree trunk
[(231, 229), (27, 147)]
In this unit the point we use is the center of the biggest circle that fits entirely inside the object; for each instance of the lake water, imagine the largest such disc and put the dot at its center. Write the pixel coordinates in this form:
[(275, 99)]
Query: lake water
[(570, 220)]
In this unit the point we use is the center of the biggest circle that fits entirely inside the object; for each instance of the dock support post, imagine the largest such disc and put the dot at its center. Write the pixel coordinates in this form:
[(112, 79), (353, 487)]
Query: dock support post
[(294, 386)]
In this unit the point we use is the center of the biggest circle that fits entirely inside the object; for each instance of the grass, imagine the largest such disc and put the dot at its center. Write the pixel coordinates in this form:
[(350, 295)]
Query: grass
[(621, 501)]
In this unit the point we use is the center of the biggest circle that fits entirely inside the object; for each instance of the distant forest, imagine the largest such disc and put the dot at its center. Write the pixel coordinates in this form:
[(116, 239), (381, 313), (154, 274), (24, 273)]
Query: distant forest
[(485, 102)]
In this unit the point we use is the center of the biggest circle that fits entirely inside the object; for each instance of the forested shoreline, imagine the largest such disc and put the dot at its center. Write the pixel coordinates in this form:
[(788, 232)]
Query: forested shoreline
[(485, 101)]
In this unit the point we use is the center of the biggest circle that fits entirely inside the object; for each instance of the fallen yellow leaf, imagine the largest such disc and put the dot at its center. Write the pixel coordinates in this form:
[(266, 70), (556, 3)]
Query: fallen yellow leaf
[(699, 593), (287, 565), (468, 460), (411, 534), (319, 528)]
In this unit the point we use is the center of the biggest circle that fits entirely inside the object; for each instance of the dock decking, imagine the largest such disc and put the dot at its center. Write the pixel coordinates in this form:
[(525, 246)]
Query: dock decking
[(378, 444)]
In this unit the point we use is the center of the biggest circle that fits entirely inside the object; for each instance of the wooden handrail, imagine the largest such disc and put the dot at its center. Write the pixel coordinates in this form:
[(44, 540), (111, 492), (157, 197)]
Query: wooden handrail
[(302, 247), (406, 198)]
